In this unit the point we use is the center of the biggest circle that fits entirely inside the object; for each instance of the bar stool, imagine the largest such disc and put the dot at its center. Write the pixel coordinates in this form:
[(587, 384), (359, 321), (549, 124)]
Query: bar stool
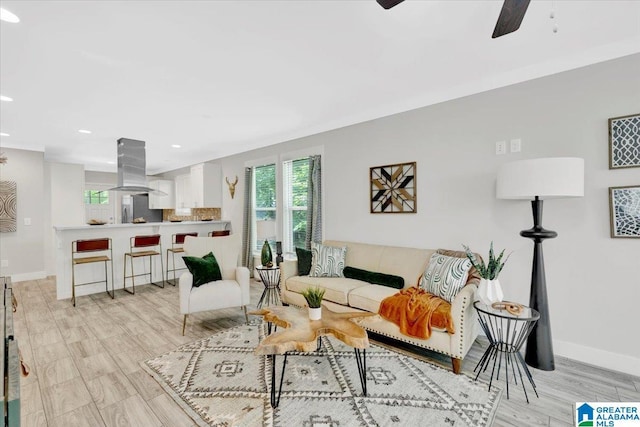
[(146, 246), (177, 241), (219, 233), (80, 247)]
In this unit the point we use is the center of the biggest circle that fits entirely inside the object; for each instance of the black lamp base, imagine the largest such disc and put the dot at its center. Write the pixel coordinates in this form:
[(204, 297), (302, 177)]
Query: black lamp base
[(539, 353)]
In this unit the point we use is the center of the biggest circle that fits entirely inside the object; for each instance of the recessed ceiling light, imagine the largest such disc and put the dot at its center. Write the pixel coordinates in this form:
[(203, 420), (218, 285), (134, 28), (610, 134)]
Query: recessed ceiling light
[(176, 146), (5, 98), (84, 131), (4, 134), (7, 16), (111, 163)]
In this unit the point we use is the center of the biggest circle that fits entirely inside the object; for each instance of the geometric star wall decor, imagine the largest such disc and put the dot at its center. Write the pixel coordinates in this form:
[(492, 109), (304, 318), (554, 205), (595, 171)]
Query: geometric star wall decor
[(393, 188)]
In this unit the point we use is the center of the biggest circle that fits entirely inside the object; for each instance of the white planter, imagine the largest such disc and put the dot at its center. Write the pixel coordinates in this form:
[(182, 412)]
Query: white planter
[(489, 291), (315, 313)]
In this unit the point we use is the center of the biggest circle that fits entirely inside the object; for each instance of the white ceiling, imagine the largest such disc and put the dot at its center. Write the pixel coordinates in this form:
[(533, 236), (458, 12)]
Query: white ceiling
[(223, 77)]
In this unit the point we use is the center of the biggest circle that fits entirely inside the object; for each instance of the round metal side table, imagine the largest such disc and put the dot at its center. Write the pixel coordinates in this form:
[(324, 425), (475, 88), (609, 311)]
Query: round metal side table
[(270, 277), (506, 333)]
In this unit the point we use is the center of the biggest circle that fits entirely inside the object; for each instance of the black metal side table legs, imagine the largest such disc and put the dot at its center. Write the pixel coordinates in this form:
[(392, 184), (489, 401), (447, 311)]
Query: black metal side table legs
[(507, 334), (275, 392)]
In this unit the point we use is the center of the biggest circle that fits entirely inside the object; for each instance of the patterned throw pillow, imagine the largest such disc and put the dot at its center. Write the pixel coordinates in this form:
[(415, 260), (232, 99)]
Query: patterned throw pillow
[(327, 261), (445, 276)]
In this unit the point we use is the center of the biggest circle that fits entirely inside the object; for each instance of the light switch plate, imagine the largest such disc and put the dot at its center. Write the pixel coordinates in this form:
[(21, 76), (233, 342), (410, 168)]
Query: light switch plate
[(27, 221), (501, 147), (516, 145)]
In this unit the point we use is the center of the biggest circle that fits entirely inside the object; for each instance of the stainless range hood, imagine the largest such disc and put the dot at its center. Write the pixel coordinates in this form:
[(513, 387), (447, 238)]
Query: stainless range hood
[(132, 165)]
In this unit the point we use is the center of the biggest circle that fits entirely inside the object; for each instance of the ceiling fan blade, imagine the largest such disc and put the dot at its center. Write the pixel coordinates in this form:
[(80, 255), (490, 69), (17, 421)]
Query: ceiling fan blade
[(510, 17), (388, 4)]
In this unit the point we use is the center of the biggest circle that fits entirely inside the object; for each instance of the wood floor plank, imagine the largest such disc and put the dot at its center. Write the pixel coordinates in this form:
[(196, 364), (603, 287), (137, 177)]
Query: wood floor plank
[(47, 337), (34, 419), (64, 397), (132, 411), (83, 416), (110, 388), (168, 411), (49, 353), (96, 365), (145, 384), (86, 348), (30, 398), (57, 371)]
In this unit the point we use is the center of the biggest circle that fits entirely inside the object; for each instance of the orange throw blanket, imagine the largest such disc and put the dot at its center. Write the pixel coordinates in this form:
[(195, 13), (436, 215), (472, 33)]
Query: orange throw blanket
[(416, 311)]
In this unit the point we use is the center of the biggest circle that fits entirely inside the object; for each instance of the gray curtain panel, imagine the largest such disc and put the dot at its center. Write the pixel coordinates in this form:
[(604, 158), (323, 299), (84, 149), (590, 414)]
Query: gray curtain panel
[(247, 246), (314, 202)]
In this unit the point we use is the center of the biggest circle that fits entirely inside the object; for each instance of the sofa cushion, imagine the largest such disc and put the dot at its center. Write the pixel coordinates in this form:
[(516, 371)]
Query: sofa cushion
[(304, 261), (336, 288), (408, 263), (204, 270), (327, 261), (372, 277), (369, 297), (445, 276)]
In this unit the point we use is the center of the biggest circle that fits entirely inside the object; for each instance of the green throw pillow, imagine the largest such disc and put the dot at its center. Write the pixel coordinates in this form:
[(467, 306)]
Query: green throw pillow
[(304, 261), (388, 280), (204, 270)]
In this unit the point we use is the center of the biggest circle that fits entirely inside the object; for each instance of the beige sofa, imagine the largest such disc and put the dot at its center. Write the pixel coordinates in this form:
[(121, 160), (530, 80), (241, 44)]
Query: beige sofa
[(342, 294)]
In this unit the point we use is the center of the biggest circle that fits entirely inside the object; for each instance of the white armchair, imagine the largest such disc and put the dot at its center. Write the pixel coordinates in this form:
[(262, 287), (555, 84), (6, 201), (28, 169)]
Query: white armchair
[(231, 291)]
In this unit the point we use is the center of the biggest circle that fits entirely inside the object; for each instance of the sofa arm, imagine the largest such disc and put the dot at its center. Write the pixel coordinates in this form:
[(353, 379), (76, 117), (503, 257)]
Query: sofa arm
[(185, 284), (465, 320), (242, 277), (288, 269)]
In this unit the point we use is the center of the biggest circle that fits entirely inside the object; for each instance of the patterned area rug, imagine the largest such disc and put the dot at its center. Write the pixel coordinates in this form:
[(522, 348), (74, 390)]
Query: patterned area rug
[(219, 381)]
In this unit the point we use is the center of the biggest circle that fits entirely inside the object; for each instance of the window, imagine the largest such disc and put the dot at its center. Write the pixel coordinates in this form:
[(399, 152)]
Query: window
[(96, 197), (264, 182), (295, 183)]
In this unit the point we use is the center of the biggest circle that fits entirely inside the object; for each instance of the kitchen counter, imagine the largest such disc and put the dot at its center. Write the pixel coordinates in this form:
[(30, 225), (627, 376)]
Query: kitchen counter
[(157, 224), (120, 235)]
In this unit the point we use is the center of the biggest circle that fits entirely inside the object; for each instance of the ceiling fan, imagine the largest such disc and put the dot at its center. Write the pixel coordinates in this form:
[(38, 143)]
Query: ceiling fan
[(509, 20)]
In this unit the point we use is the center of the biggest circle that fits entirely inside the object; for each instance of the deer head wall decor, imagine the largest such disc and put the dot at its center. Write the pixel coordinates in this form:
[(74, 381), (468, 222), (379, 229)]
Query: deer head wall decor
[(232, 186)]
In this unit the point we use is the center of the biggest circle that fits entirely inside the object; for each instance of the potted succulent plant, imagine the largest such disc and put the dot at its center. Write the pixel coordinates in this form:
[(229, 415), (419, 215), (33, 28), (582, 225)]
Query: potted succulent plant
[(489, 290), (314, 300)]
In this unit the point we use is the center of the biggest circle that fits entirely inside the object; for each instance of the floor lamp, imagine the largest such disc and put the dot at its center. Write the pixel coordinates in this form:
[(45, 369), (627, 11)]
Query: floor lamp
[(535, 180)]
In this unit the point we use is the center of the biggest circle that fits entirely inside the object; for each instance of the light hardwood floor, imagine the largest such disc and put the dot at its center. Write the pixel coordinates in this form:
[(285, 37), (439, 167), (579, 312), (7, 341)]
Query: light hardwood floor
[(85, 362)]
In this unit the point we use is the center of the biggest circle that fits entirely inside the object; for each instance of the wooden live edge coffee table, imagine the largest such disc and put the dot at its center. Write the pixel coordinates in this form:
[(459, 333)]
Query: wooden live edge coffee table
[(302, 334)]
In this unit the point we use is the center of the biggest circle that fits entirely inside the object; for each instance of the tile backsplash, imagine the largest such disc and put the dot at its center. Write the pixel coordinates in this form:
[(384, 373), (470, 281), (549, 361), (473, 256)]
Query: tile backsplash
[(197, 214)]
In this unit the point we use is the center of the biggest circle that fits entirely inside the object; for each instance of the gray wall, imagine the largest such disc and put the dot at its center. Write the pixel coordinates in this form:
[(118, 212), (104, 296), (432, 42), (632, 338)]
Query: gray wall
[(24, 248), (592, 280)]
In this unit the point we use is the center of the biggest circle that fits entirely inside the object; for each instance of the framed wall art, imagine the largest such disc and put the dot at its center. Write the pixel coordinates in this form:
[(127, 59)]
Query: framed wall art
[(393, 188), (8, 204), (624, 142), (624, 204)]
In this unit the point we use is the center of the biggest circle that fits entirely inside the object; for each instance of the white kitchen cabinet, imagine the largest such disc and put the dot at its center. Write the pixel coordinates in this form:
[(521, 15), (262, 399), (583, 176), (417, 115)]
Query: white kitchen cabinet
[(183, 197), (157, 201), (206, 186)]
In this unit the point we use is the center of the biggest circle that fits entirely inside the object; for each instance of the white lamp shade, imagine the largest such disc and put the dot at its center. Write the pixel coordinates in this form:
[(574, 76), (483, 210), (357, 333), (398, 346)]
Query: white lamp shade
[(265, 229), (547, 178)]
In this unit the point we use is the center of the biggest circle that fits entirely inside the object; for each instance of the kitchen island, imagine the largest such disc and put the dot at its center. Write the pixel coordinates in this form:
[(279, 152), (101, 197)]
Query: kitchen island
[(120, 235)]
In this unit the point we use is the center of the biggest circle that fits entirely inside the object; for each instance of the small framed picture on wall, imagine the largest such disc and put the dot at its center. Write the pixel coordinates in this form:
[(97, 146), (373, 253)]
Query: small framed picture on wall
[(624, 204), (624, 142)]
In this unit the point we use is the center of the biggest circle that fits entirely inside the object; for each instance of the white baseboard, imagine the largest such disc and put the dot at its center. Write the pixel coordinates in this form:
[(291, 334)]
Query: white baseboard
[(34, 275), (597, 357)]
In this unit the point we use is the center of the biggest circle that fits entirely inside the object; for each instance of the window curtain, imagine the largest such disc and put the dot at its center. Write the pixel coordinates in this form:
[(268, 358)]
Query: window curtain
[(314, 202), (247, 246)]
